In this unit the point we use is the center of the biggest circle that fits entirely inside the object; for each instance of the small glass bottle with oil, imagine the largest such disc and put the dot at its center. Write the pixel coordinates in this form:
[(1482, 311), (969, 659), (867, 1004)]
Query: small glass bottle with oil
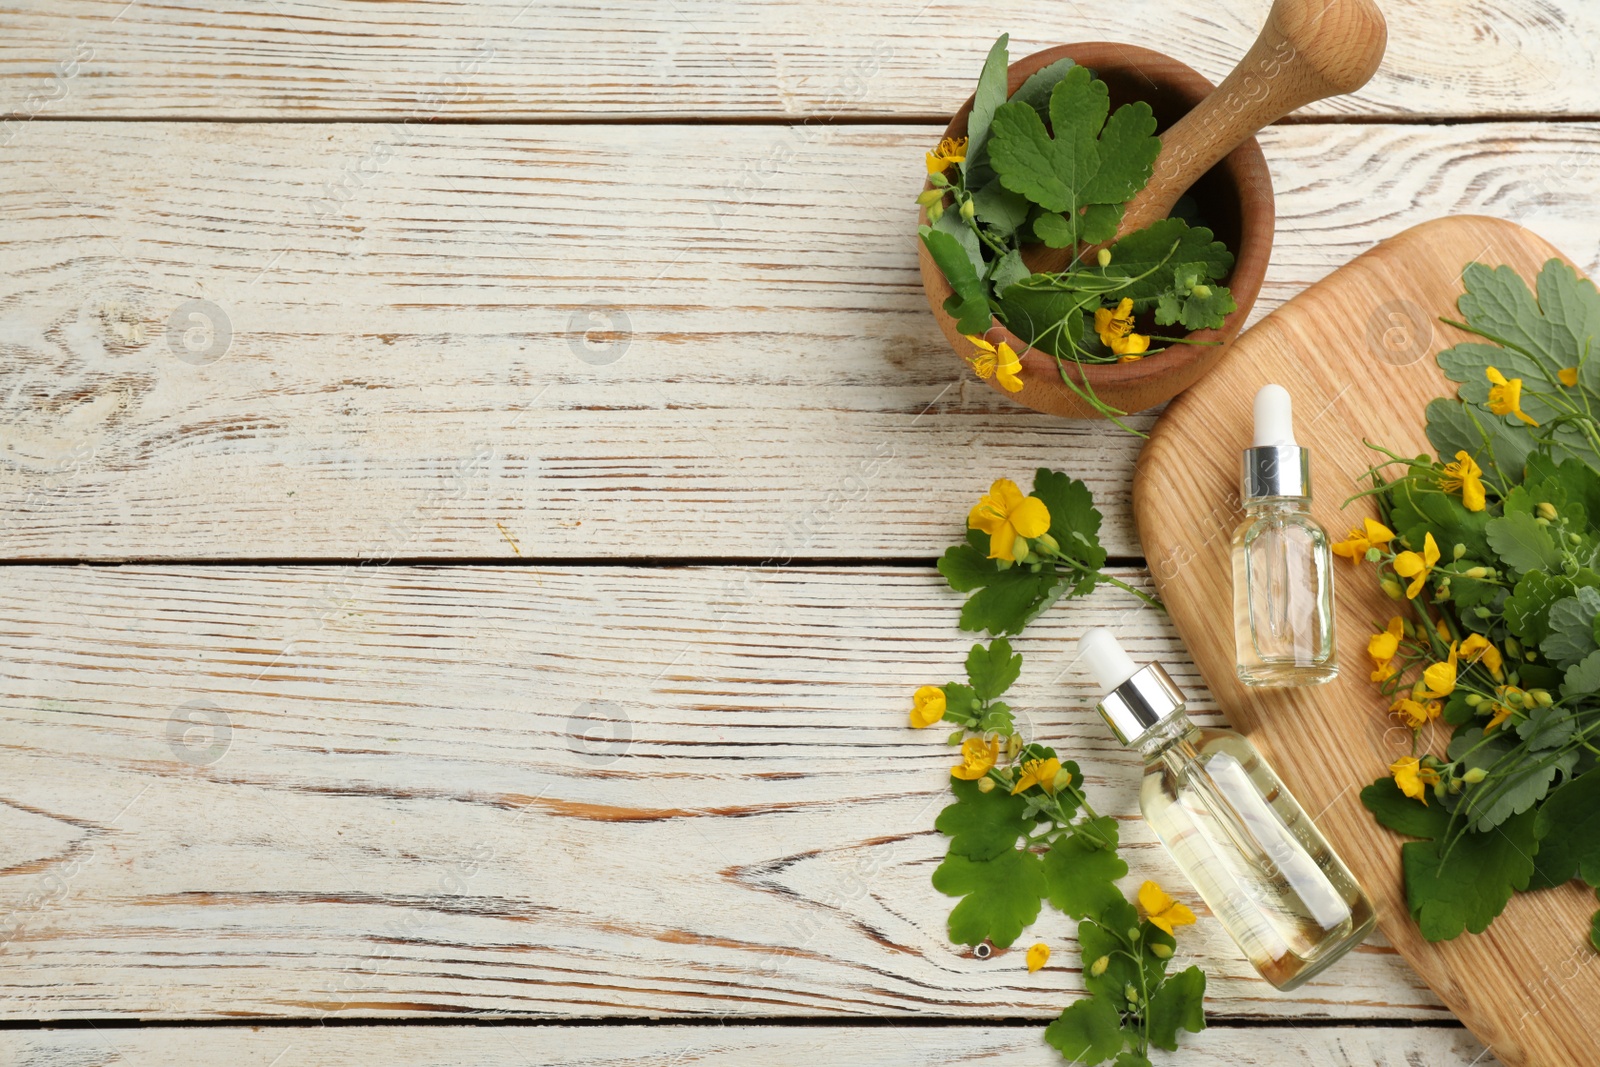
[(1282, 562), (1245, 843)]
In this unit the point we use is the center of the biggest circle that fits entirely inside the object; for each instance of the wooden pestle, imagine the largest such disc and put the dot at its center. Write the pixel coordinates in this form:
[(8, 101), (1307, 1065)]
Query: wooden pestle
[(1308, 50)]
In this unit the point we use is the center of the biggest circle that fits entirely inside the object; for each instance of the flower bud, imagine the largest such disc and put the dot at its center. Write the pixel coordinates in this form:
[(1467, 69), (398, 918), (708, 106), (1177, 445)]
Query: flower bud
[(1529, 654), (1019, 549), (1474, 775), (930, 197), (1133, 934), (1474, 699), (1201, 291), (1459, 551), (1541, 520), (1547, 510), (935, 211), (1161, 950), (969, 208), (1440, 790), (1574, 539), (1455, 786), (1374, 555), (1062, 780), (986, 785), (938, 180), (1512, 647), (1541, 697), (1476, 572), (1482, 612), (1392, 587), (1103, 257), (955, 737), (1098, 967), (1013, 746), (1132, 994), (1048, 543)]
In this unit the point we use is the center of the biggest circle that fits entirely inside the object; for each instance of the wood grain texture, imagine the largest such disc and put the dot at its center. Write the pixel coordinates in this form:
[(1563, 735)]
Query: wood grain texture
[(790, 60), (1528, 986), (705, 1046), (232, 792), (415, 368)]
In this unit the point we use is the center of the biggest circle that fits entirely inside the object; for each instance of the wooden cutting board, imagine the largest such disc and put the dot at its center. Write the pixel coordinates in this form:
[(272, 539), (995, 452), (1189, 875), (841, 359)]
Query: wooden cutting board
[(1356, 351)]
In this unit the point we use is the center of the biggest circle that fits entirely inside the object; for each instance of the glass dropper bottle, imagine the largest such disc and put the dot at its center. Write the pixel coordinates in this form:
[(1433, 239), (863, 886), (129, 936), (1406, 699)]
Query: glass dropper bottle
[(1245, 843)]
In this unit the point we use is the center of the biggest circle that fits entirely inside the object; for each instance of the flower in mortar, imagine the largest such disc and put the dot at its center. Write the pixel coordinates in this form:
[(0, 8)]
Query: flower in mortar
[(950, 150), (1116, 331)]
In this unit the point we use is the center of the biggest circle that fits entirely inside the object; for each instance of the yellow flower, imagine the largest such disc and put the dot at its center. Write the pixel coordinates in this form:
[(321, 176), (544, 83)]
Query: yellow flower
[(1005, 514), (976, 758), (1382, 648), (927, 706), (1505, 395), (1478, 649), (1466, 477), (1439, 679), (991, 361), (1038, 956), (1414, 713), (1568, 376), (1370, 534), (1410, 565), (1413, 778), (1507, 699), (950, 150), (1116, 331), (1039, 772), (1161, 909)]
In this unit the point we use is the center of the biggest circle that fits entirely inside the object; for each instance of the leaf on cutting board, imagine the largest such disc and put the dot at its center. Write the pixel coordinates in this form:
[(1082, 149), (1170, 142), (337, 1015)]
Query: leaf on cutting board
[(1467, 889)]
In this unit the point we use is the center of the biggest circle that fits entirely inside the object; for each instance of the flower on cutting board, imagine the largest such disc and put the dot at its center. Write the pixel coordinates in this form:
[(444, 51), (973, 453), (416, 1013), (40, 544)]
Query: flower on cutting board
[(950, 150), (1370, 534), (927, 706), (1508, 699), (977, 756), (993, 361), (1477, 648), (1161, 909), (1415, 713), (1413, 777), (1005, 515), (1417, 567), (1464, 476), (1383, 647), (1505, 395), (1568, 376), (1438, 679)]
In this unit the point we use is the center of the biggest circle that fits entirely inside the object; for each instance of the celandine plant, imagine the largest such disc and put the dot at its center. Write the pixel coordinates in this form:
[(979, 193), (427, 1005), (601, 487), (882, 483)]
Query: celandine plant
[(1022, 831), (1492, 553), (1053, 165)]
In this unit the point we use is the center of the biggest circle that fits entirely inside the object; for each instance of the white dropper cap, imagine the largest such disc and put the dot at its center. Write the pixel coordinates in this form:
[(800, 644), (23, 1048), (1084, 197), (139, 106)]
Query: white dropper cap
[(1102, 657), (1274, 418)]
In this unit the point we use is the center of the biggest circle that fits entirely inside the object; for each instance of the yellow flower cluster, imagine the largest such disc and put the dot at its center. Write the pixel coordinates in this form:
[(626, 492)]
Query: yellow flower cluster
[(1161, 909), (1005, 515), (1116, 332), (951, 150)]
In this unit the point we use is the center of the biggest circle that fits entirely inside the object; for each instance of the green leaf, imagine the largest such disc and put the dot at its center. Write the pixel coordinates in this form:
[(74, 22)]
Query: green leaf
[(1088, 1032), (1402, 814), (1008, 271), (1196, 312), (990, 95), (981, 825), (1568, 829), (1467, 890), (953, 224), (1509, 790), (1093, 224), (992, 669), (1000, 896), (998, 208), (1497, 301), (1012, 599), (1168, 243), (1035, 92), (1128, 149), (1594, 932), (970, 303), (966, 567), (998, 720), (1582, 678), (1547, 728), (1179, 1002), (1572, 623), (1074, 520), (1522, 544), (1527, 610), (1131, 1059), (1080, 878), (1454, 427)]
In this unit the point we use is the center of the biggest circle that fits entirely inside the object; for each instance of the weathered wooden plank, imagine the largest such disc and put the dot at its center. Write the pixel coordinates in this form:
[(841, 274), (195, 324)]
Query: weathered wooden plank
[(394, 792), (720, 1046), (792, 60), (567, 342)]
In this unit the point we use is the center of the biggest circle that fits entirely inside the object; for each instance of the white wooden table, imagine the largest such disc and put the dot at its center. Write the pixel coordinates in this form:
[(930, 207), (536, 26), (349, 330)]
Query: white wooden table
[(470, 480)]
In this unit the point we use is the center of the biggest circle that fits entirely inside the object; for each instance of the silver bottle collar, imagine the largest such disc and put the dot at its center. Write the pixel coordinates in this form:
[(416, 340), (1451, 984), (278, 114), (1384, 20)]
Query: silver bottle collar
[(1275, 470), (1144, 701)]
